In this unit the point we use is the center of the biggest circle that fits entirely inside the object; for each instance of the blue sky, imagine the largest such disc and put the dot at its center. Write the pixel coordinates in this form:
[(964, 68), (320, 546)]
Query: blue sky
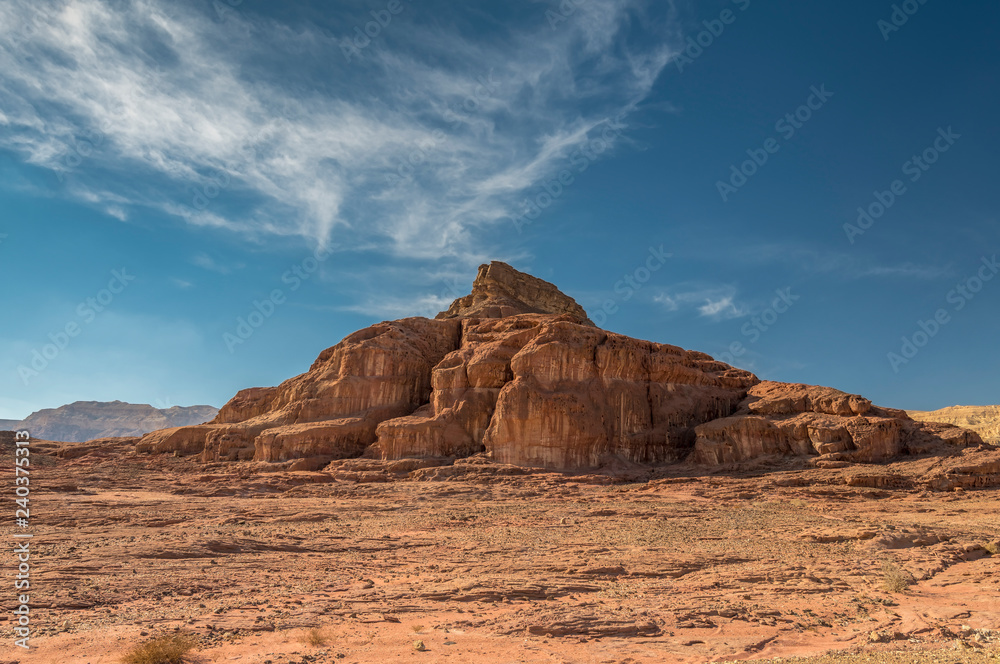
[(169, 169)]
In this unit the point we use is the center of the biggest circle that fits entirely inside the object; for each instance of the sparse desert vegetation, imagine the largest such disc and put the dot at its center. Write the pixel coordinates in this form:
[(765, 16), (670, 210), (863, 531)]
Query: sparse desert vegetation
[(315, 637), (895, 579), (164, 649), (280, 565)]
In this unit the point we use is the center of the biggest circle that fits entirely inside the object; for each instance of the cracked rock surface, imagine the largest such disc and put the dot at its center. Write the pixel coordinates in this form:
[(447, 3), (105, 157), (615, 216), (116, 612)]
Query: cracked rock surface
[(517, 371), (487, 562)]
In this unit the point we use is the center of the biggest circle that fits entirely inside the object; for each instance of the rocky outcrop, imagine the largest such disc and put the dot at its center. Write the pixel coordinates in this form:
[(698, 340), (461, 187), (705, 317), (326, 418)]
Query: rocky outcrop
[(332, 410), (786, 419), (86, 420), (499, 291), (580, 397), (547, 391), (516, 371), (184, 440), (984, 420), (969, 471)]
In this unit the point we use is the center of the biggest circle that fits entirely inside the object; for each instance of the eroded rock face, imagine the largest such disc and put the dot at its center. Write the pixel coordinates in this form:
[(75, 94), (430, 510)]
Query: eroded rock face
[(581, 396), (515, 370), (332, 410), (547, 391), (789, 419), (499, 290)]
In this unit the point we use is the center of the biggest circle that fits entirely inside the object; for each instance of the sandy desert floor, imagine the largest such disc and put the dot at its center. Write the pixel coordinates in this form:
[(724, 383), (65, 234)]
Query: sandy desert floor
[(482, 563)]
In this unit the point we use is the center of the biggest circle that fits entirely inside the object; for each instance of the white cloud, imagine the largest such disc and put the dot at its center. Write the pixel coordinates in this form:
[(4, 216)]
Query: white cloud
[(153, 104), (723, 307), (715, 302), (117, 212), (670, 303)]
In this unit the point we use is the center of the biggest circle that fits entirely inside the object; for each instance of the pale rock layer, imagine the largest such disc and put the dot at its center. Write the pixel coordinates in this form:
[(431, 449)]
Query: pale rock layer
[(984, 420)]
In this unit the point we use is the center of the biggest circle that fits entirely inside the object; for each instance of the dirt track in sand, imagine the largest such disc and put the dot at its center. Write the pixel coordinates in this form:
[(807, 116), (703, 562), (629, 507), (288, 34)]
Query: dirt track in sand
[(486, 567)]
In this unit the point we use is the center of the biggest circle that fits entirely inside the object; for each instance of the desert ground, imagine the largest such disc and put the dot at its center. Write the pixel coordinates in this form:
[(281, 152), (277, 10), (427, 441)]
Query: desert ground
[(371, 561)]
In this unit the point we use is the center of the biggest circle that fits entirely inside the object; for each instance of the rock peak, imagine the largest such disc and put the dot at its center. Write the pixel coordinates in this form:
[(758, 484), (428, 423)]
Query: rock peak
[(500, 291)]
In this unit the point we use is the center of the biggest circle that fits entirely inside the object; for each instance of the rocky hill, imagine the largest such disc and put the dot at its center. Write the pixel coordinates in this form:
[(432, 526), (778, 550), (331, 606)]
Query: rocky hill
[(86, 420), (984, 420), (516, 372)]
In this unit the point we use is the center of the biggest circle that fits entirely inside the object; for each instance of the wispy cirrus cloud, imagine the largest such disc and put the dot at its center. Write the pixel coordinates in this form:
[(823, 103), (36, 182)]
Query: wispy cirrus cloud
[(408, 148)]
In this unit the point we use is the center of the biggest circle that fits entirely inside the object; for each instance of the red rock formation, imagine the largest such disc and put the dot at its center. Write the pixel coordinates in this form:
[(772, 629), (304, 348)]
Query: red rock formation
[(580, 397), (332, 410), (788, 419), (499, 290), (516, 370), (547, 391)]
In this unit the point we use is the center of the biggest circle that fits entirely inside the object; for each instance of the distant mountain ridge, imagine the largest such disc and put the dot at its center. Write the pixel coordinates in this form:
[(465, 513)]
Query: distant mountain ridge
[(81, 421), (984, 420)]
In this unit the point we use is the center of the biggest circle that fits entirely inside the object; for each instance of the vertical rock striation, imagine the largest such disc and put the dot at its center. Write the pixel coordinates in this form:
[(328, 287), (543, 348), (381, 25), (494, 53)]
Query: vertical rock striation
[(516, 370)]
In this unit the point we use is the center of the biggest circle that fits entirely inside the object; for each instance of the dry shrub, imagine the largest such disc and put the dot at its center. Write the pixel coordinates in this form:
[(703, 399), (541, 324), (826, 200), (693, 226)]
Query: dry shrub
[(166, 649), (315, 637), (895, 579)]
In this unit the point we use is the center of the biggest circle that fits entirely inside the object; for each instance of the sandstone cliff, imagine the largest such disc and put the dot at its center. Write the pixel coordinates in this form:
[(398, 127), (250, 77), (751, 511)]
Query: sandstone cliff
[(546, 391), (787, 419), (984, 420), (517, 371), (86, 420)]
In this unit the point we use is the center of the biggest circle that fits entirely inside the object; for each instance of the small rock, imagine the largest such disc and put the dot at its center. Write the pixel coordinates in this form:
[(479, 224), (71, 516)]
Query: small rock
[(419, 646)]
